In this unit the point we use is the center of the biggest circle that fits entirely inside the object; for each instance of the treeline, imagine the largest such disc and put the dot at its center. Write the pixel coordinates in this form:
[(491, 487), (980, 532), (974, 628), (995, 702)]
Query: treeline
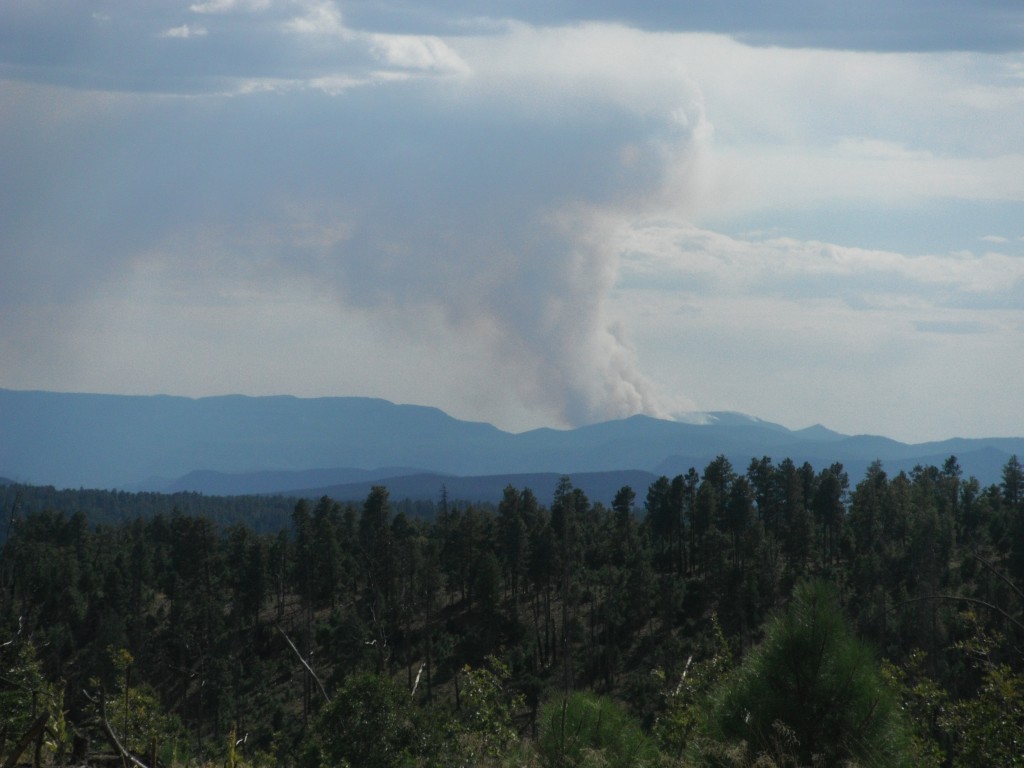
[(259, 513), (517, 634)]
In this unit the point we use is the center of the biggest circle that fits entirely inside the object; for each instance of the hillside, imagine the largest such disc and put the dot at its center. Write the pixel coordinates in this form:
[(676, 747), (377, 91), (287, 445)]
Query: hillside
[(250, 631)]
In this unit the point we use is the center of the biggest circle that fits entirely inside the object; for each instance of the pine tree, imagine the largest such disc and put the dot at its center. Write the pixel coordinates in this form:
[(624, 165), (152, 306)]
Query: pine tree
[(811, 692)]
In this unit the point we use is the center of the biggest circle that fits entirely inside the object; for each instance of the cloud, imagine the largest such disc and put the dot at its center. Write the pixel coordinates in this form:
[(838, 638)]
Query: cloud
[(871, 25), (875, 341), (319, 18), (184, 32), (404, 52), (228, 6), (416, 52), (868, 335), (663, 255), (498, 217), (433, 213), (940, 326)]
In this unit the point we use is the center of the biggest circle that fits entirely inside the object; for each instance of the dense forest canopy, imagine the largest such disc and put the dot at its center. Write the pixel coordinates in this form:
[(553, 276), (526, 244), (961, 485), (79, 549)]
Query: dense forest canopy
[(773, 613)]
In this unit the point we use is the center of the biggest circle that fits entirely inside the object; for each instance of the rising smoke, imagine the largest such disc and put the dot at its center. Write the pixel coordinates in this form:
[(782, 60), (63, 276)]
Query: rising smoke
[(518, 263), (479, 212)]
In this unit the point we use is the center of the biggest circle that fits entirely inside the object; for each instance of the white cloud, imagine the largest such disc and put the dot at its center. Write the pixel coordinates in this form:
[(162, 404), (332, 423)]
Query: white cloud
[(793, 177), (416, 52), (785, 328), (902, 366), (771, 128), (422, 53), (185, 31), (320, 18), (227, 6), (564, 69), (529, 238), (664, 255)]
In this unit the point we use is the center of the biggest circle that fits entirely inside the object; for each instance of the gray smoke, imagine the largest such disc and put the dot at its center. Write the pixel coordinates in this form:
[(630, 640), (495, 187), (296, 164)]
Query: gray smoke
[(408, 205)]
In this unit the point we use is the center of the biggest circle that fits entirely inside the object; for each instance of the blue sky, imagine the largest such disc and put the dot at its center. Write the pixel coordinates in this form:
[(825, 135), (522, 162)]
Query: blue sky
[(528, 213)]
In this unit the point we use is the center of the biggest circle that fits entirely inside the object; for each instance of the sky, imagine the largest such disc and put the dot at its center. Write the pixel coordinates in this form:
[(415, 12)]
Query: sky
[(530, 213)]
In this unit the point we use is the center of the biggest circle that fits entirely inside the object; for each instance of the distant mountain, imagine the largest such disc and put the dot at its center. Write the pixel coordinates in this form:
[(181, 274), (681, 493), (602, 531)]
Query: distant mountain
[(113, 441), (235, 445), (296, 482)]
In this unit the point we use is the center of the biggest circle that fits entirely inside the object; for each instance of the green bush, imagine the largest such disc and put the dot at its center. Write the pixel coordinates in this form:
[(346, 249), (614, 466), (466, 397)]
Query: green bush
[(371, 721), (811, 693), (589, 730)]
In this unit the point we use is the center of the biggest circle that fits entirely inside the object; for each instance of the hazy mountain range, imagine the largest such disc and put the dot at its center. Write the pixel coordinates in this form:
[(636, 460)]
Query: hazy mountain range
[(342, 445)]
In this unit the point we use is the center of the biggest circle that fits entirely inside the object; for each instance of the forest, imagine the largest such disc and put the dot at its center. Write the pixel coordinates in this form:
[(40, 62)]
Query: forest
[(772, 615)]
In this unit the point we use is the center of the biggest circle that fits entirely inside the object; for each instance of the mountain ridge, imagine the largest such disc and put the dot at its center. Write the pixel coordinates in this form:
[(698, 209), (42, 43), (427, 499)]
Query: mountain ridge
[(236, 443)]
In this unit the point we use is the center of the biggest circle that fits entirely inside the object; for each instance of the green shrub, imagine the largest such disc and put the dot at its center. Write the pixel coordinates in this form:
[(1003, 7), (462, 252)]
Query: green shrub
[(589, 730), (811, 693)]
